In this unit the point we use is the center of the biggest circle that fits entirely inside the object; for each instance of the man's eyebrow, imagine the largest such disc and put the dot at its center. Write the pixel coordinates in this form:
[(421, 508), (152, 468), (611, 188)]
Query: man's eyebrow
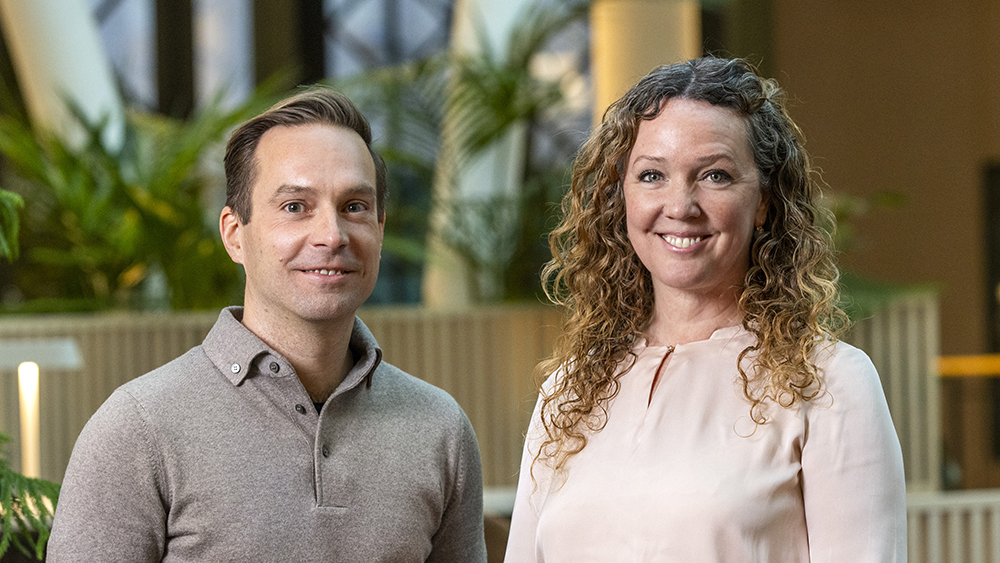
[(363, 189), (291, 189)]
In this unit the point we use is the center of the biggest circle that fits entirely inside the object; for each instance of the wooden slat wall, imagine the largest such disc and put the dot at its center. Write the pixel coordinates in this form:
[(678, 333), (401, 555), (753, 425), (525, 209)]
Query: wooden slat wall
[(483, 357), (114, 348), (902, 338), (953, 526)]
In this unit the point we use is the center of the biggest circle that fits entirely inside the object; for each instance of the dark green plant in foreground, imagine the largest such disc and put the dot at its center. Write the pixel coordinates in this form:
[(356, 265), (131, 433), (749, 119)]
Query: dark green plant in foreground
[(122, 227), (26, 509)]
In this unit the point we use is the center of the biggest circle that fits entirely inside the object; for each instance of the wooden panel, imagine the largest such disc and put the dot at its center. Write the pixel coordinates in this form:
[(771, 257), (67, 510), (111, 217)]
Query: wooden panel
[(902, 340)]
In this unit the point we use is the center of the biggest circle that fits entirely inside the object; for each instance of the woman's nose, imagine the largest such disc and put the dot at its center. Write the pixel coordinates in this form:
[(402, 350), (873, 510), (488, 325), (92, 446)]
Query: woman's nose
[(682, 202)]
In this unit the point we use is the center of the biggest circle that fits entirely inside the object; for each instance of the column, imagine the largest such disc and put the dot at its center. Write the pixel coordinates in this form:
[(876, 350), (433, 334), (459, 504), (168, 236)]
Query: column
[(631, 37)]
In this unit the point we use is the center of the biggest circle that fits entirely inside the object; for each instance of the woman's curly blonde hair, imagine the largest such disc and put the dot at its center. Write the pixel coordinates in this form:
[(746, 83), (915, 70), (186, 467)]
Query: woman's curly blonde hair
[(790, 298)]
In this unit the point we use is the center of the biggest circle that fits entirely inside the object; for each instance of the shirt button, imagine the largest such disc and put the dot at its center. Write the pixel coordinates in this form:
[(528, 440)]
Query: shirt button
[(274, 367), (326, 451), (300, 409), (235, 368)]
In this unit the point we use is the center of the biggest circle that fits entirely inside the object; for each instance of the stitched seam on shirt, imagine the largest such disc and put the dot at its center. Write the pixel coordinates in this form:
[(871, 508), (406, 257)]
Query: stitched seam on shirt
[(154, 452), (458, 479)]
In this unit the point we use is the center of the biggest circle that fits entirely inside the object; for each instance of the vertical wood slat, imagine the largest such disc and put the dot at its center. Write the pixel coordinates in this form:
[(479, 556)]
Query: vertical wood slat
[(914, 538), (953, 526), (977, 536), (915, 390), (935, 552), (932, 412), (994, 534), (902, 340), (956, 536)]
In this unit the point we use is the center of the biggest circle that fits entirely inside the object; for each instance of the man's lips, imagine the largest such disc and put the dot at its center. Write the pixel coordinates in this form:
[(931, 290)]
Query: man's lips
[(326, 271)]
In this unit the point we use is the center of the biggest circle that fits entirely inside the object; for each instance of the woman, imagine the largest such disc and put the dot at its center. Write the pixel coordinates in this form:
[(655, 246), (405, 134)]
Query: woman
[(702, 408)]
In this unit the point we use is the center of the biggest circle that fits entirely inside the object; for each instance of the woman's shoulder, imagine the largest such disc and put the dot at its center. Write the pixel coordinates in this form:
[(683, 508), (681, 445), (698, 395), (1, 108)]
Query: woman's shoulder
[(848, 374), (837, 355)]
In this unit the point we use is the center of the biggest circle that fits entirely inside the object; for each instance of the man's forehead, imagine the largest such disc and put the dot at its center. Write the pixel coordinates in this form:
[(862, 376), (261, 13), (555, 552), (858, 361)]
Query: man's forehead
[(314, 143)]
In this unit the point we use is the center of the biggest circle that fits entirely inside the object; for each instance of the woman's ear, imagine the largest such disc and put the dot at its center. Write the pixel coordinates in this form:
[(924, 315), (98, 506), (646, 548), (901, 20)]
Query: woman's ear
[(761, 215)]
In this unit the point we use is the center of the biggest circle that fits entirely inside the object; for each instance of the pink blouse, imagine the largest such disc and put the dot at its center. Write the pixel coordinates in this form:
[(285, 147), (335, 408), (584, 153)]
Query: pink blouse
[(684, 475)]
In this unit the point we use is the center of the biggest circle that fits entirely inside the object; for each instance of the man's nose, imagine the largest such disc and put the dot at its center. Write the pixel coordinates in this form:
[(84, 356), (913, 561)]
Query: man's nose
[(329, 230)]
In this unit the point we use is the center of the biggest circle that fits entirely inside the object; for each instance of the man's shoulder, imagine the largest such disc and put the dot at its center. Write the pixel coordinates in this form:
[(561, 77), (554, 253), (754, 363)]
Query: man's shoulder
[(403, 389), (184, 374)]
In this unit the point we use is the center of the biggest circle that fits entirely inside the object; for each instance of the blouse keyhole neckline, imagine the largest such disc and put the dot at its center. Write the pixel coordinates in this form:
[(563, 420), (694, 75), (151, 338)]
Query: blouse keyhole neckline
[(659, 369)]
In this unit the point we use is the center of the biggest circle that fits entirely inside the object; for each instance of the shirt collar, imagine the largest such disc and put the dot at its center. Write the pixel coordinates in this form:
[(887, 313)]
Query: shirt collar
[(367, 357), (234, 350)]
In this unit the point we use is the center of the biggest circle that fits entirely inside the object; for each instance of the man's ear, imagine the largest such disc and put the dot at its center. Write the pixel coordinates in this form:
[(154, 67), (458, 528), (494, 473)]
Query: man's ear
[(232, 234)]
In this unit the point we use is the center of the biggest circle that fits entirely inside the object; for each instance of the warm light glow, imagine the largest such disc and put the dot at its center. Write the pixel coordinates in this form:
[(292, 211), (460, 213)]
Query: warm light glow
[(31, 458)]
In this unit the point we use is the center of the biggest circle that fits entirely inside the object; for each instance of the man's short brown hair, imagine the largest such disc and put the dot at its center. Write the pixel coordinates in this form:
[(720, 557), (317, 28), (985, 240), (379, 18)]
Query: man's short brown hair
[(316, 105)]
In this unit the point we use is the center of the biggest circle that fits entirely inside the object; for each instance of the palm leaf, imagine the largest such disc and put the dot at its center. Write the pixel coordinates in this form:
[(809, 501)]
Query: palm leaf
[(10, 205), (26, 509)]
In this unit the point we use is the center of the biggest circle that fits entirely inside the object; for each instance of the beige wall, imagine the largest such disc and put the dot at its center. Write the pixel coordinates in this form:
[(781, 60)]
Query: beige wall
[(902, 95)]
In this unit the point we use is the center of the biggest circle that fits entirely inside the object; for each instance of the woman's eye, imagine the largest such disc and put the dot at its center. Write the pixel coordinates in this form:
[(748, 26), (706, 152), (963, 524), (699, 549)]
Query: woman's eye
[(718, 176), (650, 176)]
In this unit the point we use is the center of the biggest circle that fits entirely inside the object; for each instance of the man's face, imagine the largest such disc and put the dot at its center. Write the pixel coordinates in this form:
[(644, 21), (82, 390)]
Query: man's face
[(312, 245)]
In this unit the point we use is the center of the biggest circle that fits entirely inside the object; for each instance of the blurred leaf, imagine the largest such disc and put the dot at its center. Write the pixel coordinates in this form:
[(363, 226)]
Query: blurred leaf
[(124, 227), (26, 509), (861, 296), (10, 206)]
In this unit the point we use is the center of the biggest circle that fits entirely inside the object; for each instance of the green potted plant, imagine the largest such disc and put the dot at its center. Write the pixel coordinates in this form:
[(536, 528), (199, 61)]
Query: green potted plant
[(26, 509), (26, 504), (120, 227)]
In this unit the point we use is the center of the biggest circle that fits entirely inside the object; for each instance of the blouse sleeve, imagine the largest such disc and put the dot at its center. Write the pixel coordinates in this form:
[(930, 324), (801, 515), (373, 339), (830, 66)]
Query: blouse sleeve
[(532, 485), (853, 486)]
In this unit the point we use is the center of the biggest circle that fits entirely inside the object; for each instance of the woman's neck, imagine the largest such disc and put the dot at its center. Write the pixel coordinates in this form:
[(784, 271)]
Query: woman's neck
[(680, 318)]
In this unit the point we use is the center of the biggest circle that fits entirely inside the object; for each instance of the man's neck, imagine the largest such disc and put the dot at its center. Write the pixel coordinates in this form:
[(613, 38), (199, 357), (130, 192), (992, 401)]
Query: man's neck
[(319, 352)]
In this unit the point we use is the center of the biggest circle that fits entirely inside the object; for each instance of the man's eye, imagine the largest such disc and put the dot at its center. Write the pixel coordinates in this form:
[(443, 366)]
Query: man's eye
[(356, 207), (294, 207)]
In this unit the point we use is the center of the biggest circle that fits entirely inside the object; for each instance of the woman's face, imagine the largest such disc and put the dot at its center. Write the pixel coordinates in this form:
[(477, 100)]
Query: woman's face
[(693, 198)]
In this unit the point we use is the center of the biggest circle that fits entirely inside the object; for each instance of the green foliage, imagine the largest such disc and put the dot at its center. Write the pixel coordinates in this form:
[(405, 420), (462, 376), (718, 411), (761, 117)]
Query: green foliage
[(120, 227), (862, 297), (10, 205), (848, 209), (493, 96), (474, 101), (26, 509), (405, 102)]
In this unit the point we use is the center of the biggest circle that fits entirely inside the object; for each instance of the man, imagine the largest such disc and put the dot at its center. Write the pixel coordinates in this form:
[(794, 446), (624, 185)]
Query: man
[(283, 437)]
